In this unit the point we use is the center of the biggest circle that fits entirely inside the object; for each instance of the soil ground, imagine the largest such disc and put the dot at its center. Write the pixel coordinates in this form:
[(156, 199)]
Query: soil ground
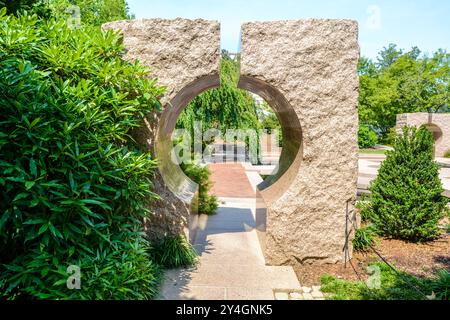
[(421, 260)]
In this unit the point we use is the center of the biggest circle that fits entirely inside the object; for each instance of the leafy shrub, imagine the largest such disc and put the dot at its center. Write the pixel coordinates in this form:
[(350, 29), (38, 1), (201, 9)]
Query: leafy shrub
[(367, 138), (390, 136), (407, 201), (207, 203), (120, 271), (363, 205), (447, 154), (92, 12), (74, 188), (364, 239), (174, 252)]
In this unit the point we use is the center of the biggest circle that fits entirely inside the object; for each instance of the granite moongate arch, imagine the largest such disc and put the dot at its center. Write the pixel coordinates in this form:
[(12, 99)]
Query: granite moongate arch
[(307, 72)]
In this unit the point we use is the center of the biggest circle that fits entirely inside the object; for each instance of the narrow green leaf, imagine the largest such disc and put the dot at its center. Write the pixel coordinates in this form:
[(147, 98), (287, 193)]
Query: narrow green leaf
[(4, 218), (43, 228), (33, 168), (22, 195), (35, 221), (29, 184)]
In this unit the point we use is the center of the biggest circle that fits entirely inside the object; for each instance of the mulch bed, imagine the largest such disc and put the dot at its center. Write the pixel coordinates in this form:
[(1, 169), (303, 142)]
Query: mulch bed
[(421, 260)]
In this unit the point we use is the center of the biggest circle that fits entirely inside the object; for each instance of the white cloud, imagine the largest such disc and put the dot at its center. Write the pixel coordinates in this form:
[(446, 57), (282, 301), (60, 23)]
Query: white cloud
[(374, 18)]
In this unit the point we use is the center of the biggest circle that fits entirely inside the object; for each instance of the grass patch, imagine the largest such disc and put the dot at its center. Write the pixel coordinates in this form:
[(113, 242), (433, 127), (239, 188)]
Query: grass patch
[(364, 239), (392, 286), (174, 252)]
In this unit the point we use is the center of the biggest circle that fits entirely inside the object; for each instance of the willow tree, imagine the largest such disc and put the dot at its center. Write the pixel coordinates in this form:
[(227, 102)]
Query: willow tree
[(223, 108)]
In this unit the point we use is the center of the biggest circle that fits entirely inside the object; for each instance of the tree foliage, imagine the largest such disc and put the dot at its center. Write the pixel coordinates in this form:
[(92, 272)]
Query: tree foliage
[(226, 107), (74, 187), (407, 201), (367, 138), (92, 12), (402, 82)]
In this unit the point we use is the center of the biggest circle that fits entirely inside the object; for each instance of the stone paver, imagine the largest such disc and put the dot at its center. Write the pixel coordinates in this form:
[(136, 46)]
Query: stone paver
[(305, 293), (281, 296), (317, 294), (296, 296), (306, 289)]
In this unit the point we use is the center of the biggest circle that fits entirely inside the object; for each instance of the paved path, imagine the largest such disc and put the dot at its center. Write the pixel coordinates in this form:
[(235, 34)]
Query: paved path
[(230, 181), (231, 263)]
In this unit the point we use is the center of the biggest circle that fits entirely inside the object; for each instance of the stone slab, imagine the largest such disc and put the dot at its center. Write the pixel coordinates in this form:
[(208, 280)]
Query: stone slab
[(312, 64)]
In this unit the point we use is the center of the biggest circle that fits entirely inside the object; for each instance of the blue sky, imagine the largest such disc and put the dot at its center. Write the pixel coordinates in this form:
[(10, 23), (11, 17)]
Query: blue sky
[(407, 23)]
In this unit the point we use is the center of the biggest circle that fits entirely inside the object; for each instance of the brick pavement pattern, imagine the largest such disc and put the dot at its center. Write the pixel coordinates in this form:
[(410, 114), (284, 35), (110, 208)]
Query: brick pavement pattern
[(230, 181)]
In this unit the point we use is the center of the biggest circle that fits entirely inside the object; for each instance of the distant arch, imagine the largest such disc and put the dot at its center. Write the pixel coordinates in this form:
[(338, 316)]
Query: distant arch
[(437, 133)]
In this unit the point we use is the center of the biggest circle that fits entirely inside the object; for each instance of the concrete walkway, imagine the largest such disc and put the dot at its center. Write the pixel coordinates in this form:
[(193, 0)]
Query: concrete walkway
[(231, 263)]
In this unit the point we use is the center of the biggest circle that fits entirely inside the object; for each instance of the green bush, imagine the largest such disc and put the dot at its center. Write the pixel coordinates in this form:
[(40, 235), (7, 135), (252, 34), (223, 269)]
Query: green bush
[(407, 201), (74, 188), (363, 205), (364, 239), (92, 12), (174, 252), (207, 203), (367, 138)]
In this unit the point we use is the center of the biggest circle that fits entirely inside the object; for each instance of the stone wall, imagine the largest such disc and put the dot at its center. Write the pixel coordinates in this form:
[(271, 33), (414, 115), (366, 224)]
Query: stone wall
[(437, 123)]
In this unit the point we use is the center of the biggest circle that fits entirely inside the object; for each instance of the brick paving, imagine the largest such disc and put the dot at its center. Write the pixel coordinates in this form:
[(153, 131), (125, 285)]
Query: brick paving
[(230, 181)]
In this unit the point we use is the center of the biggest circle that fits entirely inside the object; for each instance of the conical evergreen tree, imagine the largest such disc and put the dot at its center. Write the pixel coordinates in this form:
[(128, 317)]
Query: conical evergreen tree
[(407, 201)]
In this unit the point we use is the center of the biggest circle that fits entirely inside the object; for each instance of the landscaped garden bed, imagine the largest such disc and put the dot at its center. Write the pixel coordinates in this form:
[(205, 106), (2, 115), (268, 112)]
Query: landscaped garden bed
[(421, 260)]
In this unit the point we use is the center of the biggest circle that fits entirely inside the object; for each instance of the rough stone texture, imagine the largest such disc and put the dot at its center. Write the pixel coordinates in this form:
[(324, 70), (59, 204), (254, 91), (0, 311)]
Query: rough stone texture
[(178, 53), (313, 63), (437, 123)]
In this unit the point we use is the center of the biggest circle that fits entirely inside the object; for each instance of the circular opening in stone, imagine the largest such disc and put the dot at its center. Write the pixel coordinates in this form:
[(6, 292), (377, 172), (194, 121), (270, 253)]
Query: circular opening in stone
[(272, 187)]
